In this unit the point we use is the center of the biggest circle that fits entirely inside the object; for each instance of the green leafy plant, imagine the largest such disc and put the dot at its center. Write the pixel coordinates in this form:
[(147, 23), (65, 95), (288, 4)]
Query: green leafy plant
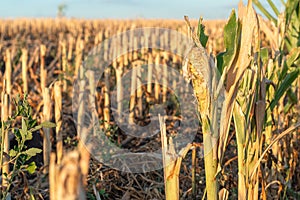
[(23, 127), (111, 131)]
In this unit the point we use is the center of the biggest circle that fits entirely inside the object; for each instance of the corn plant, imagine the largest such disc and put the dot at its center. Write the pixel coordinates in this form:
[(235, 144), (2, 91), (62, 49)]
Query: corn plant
[(287, 23), (255, 102), (203, 74), (282, 71), (216, 103), (243, 66), (282, 88)]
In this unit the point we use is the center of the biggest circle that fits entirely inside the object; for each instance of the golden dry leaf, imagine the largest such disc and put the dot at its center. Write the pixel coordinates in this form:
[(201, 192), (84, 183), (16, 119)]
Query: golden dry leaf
[(249, 23)]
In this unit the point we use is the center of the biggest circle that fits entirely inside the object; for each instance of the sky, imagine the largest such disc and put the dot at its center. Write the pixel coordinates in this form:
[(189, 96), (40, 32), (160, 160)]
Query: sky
[(123, 9)]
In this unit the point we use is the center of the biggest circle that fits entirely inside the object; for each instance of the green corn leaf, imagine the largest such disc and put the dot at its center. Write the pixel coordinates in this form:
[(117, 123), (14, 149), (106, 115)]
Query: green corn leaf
[(220, 62), (287, 107), (286, 83), (274, 8), (264, 54), (282, 74), (230, 33), (201, 34), (292, 95), (293, 56), (292, 25), (290, 8), (264, 11), (230, 41), (239, 122)]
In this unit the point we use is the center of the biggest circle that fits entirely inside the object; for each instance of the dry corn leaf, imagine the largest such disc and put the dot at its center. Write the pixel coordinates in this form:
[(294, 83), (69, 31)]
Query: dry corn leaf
[(249, 23)]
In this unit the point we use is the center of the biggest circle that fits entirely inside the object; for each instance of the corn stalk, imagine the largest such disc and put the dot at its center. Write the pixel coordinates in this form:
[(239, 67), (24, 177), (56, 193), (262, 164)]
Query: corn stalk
[(171, 162), (203, 75), (215, 104)]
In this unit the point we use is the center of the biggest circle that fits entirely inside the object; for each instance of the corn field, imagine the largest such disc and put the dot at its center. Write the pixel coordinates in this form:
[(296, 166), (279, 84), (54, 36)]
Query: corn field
[(71, 131)]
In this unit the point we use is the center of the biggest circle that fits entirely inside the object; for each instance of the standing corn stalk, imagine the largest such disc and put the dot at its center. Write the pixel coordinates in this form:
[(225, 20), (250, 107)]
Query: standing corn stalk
[(241, 42), (150, 73), (5, 139), (58, 119), (64, 63), (106, 109), (157, 74), (46, 118), (67, 179), (165, 80), (24, 69), (215, 104), (171, 162), (132, 94), (43, 71), (8, 71), (204, 78)]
